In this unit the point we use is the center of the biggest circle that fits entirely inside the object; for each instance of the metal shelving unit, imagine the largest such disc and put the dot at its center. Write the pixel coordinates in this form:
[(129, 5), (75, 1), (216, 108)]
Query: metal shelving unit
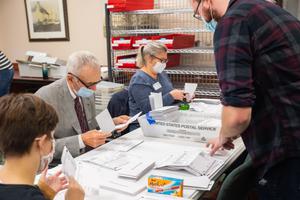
[(195, 50), (158, 31), (168, 17)]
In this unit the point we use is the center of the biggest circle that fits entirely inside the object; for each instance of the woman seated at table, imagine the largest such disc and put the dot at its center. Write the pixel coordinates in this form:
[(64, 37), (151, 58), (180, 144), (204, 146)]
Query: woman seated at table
[(151, 59), (27, 143)]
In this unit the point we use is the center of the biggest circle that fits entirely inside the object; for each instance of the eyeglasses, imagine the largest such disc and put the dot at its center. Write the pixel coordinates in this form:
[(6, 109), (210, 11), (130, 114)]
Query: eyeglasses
[(161, 60), (88, 85), (196, 12)]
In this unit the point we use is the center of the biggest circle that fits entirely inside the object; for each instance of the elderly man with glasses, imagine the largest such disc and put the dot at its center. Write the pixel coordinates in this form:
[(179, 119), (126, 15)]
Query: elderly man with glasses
[(74, 100)]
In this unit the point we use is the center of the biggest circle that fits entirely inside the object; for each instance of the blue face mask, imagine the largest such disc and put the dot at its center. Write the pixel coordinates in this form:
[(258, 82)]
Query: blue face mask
[(85, 92), (210, 26)]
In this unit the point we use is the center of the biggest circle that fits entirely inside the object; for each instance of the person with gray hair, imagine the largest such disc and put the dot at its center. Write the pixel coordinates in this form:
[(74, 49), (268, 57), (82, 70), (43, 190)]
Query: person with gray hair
[(151, 59), (73, 99)]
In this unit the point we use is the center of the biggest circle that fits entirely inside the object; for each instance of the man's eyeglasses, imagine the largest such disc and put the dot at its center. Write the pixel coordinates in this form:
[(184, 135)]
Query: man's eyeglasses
[(88, 85), (161, 60), (196, 15)]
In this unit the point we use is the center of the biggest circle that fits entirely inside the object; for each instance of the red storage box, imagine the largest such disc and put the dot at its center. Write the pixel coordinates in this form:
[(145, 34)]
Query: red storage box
[(176, 41), (173, 60), (130, 5), (138, 41), (128, 61), (121, 43)]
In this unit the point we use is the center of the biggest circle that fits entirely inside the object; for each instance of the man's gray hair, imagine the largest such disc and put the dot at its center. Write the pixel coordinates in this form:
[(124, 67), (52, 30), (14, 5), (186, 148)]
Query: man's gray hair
[(80, 59), (151, 49)]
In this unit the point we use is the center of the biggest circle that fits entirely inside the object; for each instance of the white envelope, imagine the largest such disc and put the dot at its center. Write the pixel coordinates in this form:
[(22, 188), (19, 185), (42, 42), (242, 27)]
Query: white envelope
[(68, 163), (190, 89), (107, 124), (155, 100)]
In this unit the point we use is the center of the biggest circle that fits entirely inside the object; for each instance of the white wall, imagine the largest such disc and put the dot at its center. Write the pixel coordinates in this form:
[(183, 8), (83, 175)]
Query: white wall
[(293, 6), (86, 20)]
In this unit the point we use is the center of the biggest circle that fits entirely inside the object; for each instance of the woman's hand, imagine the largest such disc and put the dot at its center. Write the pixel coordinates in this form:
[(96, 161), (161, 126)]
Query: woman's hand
[(177, 94)]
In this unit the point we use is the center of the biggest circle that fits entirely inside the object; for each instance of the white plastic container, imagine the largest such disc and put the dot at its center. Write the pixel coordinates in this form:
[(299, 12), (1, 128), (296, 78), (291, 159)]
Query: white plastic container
[(187, 125), (28, 70)]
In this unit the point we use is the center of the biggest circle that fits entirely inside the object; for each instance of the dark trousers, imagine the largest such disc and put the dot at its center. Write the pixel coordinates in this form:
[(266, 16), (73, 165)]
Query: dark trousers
[(6, 76), (282, 182), (239, 182)]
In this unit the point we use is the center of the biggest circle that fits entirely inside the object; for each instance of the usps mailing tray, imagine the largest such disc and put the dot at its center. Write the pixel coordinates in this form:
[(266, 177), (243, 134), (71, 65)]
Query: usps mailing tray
[(184, 125)]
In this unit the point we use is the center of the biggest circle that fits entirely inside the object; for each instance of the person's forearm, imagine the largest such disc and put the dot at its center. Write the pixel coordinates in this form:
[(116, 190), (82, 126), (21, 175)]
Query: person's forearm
[(234, 121)]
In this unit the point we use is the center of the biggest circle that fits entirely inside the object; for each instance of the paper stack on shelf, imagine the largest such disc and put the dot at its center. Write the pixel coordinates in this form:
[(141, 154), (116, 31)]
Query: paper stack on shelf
[(199, 164), (165, 113), (104, 92)]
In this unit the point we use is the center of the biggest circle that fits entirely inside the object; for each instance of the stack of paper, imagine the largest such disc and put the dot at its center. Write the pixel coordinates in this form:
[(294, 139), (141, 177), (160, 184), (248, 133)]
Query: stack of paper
[(114, 160), (155, 100), (123, 144), (123, 186), (136, 170), (199, 164), (167, 113), (104, 92)]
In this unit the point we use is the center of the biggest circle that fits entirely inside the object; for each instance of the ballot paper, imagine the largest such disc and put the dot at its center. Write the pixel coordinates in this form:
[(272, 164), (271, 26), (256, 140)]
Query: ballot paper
[(68, 163), (190, 88), (123, 186), (136, 170), (155, 100), (198, 183), (106, 122), (199, 164), (123, 144), (113, 160)]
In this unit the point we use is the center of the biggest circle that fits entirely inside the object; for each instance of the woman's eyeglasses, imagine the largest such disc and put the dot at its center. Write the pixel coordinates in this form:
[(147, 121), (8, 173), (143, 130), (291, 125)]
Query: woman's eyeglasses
[(161, 60)]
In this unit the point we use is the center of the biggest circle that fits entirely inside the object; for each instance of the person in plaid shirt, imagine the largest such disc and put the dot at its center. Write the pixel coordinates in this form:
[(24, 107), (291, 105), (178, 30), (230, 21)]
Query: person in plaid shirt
[(257, 53)]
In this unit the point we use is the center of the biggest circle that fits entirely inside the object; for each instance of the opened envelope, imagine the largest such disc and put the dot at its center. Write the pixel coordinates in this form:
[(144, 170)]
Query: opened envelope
[(68, 163), (107, 124)]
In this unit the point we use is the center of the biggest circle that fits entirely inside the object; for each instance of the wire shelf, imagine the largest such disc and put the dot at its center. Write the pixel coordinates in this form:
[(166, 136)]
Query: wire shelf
[(155, 11), (194, 50), (158, 31), (207, 83), (180, 70), (168, 17)]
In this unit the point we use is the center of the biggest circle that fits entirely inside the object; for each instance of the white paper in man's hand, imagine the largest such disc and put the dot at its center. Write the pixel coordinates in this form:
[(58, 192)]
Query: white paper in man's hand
[(132, 119), (68, 163), (105, 121)]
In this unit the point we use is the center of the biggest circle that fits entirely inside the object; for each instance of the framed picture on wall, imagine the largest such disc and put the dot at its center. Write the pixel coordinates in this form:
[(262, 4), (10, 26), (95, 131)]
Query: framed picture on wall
[(47, 20)]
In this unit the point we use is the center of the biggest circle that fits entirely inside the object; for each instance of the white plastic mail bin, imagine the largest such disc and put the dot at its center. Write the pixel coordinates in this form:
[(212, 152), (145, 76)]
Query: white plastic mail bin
[(188, 125), (27, 70)]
